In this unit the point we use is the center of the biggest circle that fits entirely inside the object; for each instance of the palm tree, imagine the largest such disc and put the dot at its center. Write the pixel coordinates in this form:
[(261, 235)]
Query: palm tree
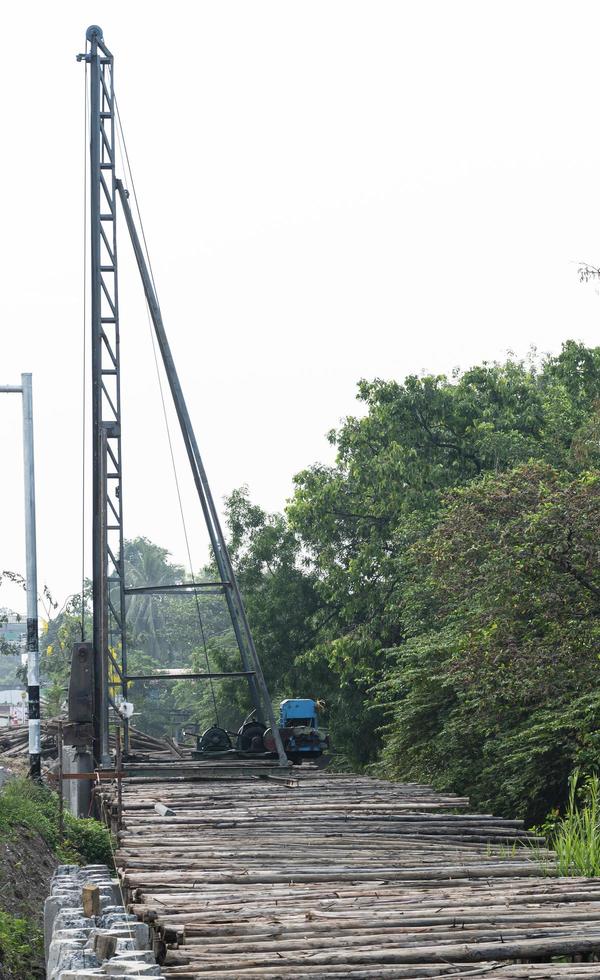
[(148, 564)]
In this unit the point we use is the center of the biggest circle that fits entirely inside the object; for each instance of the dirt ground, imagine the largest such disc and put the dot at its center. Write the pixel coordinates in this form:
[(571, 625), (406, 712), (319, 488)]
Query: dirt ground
[(26, 867)]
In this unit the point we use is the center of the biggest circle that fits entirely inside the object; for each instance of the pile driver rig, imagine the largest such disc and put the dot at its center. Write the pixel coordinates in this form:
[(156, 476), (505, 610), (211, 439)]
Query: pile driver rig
[(92, 693)]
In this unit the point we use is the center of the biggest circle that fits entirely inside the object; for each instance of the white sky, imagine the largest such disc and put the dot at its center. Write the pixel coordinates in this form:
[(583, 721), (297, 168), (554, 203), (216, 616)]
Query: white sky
[(331, 190)]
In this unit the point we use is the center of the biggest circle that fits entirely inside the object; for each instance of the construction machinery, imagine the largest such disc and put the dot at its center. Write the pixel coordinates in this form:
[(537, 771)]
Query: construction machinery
[(298, 729), (101, 677)]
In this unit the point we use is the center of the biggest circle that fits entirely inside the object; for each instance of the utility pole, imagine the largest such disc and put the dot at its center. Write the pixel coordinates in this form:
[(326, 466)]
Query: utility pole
[(33, 656)]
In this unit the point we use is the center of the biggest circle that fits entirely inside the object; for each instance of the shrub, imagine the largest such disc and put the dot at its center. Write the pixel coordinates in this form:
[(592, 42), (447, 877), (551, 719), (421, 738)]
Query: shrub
[(21, 948), (89, 839), (27, 804)]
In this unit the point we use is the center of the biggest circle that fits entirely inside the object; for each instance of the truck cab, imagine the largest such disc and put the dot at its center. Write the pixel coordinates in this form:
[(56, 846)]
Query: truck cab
[(299, 729)]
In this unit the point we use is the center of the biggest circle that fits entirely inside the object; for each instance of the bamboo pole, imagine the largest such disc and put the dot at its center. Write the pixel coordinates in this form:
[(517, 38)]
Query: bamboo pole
[(61, 802)]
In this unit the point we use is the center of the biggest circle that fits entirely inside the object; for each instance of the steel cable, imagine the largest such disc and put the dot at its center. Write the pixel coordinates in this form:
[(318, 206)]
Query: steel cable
[(127, 169)]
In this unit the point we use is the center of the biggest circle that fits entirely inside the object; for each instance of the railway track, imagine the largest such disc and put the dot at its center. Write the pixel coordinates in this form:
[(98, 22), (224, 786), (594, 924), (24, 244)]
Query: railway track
[(244, 871)]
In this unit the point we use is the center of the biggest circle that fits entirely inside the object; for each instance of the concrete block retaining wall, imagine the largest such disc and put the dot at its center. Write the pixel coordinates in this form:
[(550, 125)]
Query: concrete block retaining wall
[(110, 944)]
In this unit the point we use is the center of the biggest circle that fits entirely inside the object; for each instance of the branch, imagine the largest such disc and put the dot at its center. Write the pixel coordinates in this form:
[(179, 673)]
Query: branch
[(565, 565), (436, 441), (586, 271), (360, 517)]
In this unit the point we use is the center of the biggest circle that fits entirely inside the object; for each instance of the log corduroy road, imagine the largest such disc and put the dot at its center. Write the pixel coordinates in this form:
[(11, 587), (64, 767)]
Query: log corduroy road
[(245, 874)]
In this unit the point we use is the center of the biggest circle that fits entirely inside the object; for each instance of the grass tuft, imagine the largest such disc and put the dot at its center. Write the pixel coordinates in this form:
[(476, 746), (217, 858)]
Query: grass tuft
[(576, 837)]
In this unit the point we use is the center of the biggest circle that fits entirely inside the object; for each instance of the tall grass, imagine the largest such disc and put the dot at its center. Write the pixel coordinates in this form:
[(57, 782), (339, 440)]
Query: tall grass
[(576, 836)]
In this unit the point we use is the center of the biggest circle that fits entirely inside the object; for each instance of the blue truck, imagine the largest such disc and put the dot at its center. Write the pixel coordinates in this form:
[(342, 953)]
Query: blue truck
[(299, 730)]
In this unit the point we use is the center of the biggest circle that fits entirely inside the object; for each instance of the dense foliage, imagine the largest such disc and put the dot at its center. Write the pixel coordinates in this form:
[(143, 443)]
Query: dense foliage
[(24, 804), (21, 948), (29, 815), (451, 554), (437, 585), (495, 690)]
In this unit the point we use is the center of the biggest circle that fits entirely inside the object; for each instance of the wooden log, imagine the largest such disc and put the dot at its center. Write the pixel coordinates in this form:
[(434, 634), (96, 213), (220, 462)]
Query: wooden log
[(335, 875), (440, 953)]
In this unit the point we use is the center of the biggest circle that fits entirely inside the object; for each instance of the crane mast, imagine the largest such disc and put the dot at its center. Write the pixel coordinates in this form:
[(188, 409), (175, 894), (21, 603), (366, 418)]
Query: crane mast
[(110, 591)]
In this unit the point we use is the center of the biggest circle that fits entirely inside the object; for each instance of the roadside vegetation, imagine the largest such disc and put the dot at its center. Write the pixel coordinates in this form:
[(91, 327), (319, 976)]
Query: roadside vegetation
[(21, 948), (26, 805), (31, 849), (575, 835)]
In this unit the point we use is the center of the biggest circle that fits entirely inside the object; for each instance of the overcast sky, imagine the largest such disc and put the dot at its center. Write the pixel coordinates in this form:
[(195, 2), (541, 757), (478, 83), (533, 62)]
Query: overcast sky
[(331, 190)]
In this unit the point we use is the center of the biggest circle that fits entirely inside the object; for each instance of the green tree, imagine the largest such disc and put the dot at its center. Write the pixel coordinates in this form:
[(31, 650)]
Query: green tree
[(59, 634), (495, 691), (148, 626), (280, 597), (416, 442)]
